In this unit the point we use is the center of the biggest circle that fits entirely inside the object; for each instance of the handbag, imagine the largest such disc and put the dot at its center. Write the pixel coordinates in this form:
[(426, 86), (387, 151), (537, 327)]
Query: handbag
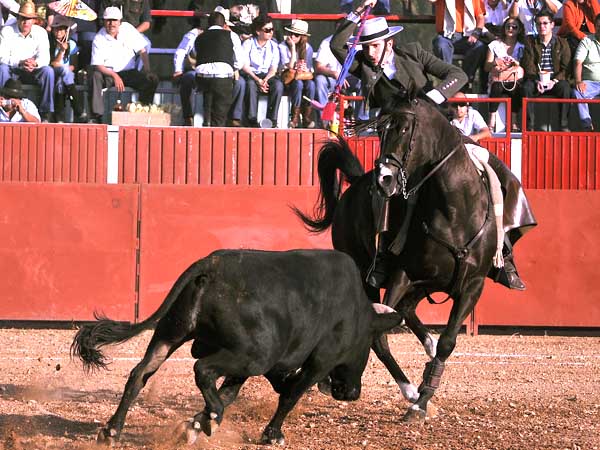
[(289, 75), (510, 73)]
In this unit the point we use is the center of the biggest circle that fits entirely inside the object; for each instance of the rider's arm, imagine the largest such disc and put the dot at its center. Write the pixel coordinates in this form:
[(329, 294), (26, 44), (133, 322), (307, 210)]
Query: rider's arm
[(452, 78)]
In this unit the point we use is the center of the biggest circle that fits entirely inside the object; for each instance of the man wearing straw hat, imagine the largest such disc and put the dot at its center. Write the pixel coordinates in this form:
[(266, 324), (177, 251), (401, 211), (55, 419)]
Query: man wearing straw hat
[(386, 69), (25, 55)]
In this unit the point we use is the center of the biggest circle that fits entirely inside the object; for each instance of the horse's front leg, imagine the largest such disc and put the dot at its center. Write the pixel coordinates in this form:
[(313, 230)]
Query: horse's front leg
[(463, 305)]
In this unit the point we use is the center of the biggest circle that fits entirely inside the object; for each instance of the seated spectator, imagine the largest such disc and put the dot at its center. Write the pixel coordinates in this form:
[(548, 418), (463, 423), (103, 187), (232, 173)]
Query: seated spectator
[(62, 50), (25, 55), (184, 73), (578, 21), (297, 54), (260, 72), (114, 53), (469, 121), (381, 8), (218, 56), (503, 52), (546, 61), (327, 71), (587, 73), (496, 12), (459, 30), (86, 31), (14, 107), (526, 10)]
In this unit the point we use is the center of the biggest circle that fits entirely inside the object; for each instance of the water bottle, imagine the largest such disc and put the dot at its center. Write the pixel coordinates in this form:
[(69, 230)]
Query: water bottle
[(118, 106)]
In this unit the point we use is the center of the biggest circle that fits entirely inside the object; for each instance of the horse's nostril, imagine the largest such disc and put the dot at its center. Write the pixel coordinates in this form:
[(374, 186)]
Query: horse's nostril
[(387, 180)]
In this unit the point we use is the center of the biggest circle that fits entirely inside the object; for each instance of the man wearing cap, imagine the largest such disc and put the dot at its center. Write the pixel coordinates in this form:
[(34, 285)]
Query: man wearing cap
[(387, 70), (14, 107), (114, 52), (219, 56), (25, 55)]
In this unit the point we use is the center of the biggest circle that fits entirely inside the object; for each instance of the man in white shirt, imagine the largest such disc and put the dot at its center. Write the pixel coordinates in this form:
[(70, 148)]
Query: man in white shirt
[(14, 107), (13, 7), (586, 68), (25, 55), (114, 52), (469, 121)]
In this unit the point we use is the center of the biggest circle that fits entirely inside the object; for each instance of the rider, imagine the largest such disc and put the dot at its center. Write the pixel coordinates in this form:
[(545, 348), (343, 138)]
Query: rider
[(389, 70)]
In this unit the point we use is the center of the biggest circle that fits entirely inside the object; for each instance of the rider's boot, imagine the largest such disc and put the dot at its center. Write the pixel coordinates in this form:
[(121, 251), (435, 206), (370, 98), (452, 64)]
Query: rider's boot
[(508, 275), (379, 271)]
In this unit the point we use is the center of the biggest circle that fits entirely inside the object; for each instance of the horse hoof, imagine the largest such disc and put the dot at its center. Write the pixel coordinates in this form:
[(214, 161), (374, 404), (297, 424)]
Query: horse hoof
[(266, 440), (208, 423), (410, 392), (107, 436), (414, 414), (187, 431), (324, 387)]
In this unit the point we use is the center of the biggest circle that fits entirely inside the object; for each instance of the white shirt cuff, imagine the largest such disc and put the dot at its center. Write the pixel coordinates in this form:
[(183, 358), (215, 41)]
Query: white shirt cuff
[(436, 96), (353, 17)]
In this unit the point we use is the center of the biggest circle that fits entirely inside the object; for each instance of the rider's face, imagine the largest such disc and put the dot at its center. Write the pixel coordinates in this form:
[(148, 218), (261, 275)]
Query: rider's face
[(375, 50)]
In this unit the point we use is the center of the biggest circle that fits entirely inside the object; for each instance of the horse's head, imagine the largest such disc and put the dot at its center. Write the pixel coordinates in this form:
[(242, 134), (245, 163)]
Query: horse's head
[(413, 136)]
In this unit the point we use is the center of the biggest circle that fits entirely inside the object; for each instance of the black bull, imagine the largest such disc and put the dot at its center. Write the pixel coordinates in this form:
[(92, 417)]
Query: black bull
[(442, 224), (295, 317)]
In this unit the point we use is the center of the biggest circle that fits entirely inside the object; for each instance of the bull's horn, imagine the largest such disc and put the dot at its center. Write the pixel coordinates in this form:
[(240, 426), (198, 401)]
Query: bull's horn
[(380, 308)]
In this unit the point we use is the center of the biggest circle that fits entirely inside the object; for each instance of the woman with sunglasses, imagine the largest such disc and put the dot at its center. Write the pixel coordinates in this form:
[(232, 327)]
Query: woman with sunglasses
[(502, 53), (296, 53)]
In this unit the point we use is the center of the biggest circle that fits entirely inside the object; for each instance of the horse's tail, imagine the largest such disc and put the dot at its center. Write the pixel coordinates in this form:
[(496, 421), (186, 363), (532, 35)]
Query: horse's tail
[(90, 338), (334, 155)]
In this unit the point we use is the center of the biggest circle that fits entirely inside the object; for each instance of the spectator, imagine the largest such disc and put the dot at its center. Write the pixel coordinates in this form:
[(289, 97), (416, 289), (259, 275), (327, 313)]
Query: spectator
[(262, 54), (114, 52), (136, 13), (9, 6), (218, 55), (86, 31), (496, 12), (297, 54), (327, 70), (546, 61), (381, 8), (459, 24), (25, 55), (587, 73), (184, 63), (469, 121), (62, 50), (527, 10), (14, 107), (503, 52), (578, 21)]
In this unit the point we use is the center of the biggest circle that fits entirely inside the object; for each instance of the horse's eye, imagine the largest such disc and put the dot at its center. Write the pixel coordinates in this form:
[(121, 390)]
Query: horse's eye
[(404, 130)]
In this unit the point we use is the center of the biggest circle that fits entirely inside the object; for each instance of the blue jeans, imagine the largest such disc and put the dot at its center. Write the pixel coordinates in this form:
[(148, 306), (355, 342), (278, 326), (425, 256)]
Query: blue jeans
[(43, 77), (298, 88), (187, 84), (592, 90), (275, 94), (239, 92), (325, 85), (474, 54), (63, 76)]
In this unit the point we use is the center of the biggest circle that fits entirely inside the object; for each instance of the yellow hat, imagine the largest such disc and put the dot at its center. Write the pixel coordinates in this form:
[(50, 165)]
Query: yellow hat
[(27, 10)]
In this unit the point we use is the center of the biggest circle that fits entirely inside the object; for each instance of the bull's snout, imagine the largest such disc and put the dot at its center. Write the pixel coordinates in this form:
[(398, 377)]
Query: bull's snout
[(345, 392)]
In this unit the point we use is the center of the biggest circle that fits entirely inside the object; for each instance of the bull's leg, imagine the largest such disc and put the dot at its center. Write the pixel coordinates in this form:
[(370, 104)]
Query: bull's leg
[(434, 369), (230, 389), (157, 352), (294, 387)]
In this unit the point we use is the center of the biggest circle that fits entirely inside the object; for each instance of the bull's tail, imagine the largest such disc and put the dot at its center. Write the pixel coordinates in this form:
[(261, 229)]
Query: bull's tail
[(334, 155), (90, 338)]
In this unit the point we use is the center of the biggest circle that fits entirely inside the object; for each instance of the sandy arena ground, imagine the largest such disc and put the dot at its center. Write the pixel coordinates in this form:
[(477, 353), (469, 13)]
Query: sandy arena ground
[(498, 392)]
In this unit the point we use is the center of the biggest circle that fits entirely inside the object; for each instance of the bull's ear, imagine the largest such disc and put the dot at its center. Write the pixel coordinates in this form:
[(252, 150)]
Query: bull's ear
[(385, 318)]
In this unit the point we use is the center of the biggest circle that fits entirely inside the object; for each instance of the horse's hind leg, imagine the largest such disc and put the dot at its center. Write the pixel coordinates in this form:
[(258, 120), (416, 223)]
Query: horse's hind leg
[(422, 333), (434, 369), (157, 352)]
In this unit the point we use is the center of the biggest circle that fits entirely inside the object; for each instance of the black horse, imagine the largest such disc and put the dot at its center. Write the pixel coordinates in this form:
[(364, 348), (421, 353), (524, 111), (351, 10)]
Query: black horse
[(442, 226)]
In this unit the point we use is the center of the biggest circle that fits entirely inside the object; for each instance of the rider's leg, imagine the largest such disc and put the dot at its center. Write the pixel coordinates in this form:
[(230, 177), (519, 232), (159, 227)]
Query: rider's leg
[(378, 272), (513, 279)]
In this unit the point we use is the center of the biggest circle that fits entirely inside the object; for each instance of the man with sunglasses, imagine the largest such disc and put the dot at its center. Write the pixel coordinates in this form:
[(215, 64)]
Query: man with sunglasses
[(546, 62)]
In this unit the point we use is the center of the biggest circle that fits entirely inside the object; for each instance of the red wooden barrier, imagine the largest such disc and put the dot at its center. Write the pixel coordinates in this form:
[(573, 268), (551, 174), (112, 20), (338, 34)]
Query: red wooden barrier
[(216, 156), (180, 224), (66, 250), (52, 152)]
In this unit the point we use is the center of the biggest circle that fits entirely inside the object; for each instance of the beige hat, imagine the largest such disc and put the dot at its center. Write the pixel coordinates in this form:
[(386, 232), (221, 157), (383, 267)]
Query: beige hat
[(62, 21), (225, 13), (298, 27), (112, 13), (27, 10)]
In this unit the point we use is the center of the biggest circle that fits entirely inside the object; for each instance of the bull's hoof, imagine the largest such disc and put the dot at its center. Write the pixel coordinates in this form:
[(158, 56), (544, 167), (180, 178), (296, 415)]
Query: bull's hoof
[(414, 414), (324, 386), (107, 436), (272, 437), (187, 431), (208, 423)]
